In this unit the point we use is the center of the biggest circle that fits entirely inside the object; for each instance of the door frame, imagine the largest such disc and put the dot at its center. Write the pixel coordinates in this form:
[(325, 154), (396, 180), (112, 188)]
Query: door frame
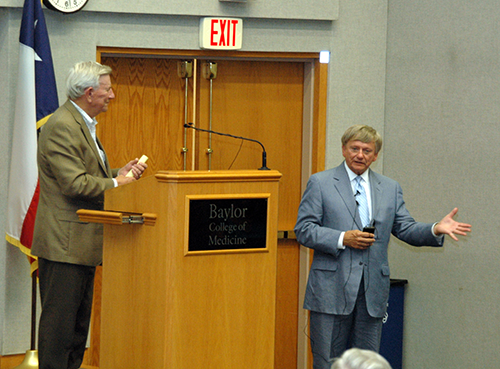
[(313, 141)]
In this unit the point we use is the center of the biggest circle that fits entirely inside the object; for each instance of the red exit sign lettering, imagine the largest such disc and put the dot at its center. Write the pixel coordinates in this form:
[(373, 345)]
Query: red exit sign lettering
[(221, 33)]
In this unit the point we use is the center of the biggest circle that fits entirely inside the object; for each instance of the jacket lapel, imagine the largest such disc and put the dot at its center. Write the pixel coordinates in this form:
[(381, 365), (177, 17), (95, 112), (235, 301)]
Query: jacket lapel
[(105, 165), (344, 188), (376, 193), (90, 141)]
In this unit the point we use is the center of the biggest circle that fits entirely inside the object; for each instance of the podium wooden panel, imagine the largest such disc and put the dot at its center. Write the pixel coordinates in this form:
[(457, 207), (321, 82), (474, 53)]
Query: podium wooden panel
[(164, 307)]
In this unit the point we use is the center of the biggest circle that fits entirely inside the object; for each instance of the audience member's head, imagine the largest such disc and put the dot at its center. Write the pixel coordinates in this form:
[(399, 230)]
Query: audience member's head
[(360, 359)]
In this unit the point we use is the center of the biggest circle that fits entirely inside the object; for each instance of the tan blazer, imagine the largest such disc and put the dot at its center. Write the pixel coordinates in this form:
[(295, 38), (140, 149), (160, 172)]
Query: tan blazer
[(72, 176)]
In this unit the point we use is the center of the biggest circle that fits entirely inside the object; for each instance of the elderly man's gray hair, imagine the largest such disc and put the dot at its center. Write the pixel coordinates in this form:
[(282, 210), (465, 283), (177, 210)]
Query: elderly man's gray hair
[(84, 75)]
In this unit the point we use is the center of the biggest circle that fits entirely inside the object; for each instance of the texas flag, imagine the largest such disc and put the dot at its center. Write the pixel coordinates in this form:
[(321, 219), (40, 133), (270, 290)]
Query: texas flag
[(36, 100)]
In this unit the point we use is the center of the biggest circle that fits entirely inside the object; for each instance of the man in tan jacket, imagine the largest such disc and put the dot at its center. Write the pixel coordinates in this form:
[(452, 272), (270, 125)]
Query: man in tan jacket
[(73, 173)]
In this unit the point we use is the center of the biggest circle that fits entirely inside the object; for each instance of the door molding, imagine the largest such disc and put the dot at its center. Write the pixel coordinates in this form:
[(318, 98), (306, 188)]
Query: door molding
[(313, 141)]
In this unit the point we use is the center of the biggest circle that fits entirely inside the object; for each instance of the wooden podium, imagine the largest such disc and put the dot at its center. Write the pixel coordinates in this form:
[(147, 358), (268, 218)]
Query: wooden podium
[(195, 285)]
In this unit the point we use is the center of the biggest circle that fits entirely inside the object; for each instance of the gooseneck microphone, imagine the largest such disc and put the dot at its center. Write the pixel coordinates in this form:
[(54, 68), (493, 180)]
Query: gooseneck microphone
[(264, 154)]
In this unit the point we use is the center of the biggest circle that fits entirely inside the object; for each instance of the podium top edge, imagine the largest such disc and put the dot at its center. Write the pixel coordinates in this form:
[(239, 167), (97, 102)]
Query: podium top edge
[(218, 175)]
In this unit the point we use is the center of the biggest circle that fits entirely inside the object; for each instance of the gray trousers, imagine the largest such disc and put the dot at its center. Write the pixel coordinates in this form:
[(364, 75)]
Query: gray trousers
[(331, 335)]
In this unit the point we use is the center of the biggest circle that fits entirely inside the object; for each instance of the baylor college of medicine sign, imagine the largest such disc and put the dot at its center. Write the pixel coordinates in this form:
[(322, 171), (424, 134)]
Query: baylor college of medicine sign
[(227, 224)]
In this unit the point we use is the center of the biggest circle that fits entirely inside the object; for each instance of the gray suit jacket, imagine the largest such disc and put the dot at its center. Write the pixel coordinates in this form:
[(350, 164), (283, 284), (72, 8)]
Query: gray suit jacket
[(72, 176), (327, 209)]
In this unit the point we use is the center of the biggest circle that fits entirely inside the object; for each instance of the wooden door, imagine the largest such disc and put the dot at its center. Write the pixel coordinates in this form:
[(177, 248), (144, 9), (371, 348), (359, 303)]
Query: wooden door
[(147, 115), (259, 99)]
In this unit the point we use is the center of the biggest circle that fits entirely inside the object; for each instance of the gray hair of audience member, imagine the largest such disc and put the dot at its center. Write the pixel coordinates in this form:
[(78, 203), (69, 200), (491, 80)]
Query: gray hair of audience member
[(84, 75), (360, 359), (363, 133)]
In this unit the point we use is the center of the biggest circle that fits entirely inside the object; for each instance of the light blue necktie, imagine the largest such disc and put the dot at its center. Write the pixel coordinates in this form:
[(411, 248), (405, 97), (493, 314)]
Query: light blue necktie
[(362, 201)]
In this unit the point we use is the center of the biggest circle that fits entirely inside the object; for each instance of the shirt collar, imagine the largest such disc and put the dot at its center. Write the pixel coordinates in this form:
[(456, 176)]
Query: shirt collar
[(365, 175), (91, 122)]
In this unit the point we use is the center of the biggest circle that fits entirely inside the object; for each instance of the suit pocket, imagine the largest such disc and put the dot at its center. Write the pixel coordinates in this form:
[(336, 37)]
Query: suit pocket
[(83, 239), (66, 221), (385, 270), (328, 265)]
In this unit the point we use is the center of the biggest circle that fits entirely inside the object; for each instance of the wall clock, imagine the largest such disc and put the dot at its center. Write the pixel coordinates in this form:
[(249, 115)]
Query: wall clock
[(65, 6)]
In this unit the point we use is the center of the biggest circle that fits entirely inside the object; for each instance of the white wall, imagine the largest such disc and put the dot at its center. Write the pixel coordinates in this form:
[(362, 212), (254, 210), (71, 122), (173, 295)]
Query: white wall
[(441, 143), (357, 73)]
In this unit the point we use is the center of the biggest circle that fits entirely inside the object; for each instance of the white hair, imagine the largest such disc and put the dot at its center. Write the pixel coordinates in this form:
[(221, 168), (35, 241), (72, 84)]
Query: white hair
[(84, 75), (360, 359)]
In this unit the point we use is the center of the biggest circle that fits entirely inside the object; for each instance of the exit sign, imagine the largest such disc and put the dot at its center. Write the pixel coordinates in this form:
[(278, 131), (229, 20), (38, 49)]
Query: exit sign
[(221, 33)]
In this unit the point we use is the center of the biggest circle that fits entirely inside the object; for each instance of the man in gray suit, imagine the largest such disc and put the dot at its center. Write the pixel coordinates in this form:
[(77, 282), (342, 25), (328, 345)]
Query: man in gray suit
[(73, 173), (348, 286)]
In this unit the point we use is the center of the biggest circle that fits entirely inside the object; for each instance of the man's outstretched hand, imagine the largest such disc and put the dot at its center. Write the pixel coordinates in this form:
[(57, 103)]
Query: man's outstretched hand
[(450, 226)]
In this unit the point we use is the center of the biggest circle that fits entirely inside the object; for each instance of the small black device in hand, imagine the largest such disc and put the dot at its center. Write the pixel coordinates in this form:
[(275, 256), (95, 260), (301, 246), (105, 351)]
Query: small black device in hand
[(369, 229)]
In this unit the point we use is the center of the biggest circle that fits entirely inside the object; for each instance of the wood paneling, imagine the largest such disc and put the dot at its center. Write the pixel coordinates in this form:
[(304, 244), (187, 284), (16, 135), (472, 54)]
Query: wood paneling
[(91, 357), (147, 115), (10, 361), (261, 100), (287, 295)]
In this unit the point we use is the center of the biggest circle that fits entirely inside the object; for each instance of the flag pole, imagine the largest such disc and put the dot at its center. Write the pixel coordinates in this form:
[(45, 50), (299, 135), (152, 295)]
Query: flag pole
[(33, 310), (31, 357)]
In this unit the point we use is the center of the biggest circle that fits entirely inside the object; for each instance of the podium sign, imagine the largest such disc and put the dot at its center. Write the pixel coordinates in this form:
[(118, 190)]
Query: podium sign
[(222, 223)]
